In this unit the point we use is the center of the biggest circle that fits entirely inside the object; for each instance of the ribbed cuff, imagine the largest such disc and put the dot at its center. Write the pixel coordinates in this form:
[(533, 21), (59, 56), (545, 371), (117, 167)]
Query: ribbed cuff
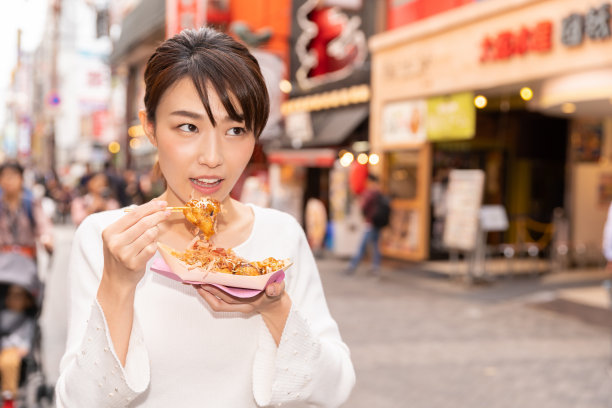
[(285, 373)]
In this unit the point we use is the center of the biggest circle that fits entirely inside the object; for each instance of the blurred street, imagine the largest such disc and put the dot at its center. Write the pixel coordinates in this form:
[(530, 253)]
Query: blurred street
[(422, 340)]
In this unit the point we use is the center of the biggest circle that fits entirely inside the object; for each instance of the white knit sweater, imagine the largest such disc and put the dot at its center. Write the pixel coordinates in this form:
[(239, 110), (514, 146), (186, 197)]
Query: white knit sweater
[(183, 354)]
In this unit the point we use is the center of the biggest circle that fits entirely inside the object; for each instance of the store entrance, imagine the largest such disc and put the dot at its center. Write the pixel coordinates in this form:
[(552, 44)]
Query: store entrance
[(523, 155)]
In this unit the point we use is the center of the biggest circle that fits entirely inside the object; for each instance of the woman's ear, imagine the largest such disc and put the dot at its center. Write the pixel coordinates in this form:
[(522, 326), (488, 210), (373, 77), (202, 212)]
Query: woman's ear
[(148, 127)]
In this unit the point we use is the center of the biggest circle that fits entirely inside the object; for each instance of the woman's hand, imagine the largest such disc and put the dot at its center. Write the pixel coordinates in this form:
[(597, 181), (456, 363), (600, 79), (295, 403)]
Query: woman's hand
[(273, 304), (130, 242), (266, 301)]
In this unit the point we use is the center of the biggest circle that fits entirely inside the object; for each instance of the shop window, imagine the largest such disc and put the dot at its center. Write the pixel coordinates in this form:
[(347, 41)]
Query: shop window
[(403, 174)]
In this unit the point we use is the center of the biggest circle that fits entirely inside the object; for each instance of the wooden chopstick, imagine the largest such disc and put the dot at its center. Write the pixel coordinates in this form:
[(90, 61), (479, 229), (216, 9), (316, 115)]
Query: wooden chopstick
[(173, 209)]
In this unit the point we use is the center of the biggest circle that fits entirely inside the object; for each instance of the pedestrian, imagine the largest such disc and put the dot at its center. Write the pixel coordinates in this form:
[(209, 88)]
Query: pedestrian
[(97, 198), (140, 339), (375, 209), (23, 223), (17, 325)]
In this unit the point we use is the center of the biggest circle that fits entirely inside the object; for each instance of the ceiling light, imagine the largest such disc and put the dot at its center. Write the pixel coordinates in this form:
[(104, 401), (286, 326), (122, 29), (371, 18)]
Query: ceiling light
[(480, 101), (362, 158), (526, 93), (285, 86), (374, 159), (346, 159)]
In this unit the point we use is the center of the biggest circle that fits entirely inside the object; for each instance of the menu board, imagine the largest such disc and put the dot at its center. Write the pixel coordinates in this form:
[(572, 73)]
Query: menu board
[(464, 197)]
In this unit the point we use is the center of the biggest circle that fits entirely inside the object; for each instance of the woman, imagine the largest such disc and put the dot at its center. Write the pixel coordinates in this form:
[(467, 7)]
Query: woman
[(95, 200), (139, 339), (23, 222)]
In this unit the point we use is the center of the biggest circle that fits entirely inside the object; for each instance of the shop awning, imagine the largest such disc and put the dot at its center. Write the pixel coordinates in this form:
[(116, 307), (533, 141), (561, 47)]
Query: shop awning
[(331, 127), (139, 25), (303, 157)]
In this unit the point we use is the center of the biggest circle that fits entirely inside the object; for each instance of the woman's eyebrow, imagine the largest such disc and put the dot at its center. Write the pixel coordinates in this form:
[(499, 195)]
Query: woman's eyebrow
[(192, 115)]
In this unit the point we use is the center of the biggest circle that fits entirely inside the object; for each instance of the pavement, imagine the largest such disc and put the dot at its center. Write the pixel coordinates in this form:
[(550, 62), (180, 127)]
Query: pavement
[(424, 339)]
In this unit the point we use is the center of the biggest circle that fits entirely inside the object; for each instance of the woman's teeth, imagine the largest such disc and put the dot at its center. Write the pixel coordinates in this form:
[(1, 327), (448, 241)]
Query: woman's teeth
[(206, 182)]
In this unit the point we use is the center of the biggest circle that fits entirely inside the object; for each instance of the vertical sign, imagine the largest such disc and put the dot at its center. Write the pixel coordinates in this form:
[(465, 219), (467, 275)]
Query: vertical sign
[(463, 200), (184, 14)]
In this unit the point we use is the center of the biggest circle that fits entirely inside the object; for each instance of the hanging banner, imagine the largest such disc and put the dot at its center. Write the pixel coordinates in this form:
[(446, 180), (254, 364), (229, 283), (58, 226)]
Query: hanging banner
[(451, 117), (183, 14)]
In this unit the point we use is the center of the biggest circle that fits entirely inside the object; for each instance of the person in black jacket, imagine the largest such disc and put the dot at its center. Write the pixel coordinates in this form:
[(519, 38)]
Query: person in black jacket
[(374, 208)]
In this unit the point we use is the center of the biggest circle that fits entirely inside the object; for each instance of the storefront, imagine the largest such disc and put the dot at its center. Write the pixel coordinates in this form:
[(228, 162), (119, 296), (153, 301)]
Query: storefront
[(561, 50)]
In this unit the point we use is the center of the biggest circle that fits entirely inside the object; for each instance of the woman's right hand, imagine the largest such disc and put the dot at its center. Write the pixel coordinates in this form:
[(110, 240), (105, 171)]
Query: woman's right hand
[(130, 242)]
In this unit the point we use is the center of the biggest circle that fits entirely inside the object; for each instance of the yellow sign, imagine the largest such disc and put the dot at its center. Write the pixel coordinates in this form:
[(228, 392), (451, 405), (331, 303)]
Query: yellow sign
[(451, 117)]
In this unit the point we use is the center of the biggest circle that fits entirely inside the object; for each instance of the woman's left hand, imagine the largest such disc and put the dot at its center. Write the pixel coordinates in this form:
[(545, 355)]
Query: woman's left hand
[(267, 301)]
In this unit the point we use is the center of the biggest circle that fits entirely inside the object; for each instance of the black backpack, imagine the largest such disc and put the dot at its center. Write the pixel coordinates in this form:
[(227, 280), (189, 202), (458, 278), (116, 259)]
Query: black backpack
[(382, 211)]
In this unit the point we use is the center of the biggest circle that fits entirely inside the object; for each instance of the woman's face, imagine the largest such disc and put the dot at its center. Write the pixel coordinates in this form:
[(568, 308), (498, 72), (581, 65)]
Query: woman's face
[(197, 159), (11, 181)]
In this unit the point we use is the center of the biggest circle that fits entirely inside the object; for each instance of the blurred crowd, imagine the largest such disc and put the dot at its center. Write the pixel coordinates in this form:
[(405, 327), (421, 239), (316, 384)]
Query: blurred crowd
[(70, 200)]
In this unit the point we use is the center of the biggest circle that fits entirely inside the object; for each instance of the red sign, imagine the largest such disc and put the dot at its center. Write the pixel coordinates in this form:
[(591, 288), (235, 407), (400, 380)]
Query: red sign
[(183, 14), (507, 44), (402, 12)]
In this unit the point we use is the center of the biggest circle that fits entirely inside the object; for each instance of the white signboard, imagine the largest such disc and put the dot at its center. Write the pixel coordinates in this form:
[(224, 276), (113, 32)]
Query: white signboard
[(404, 122), (464, 197), (493, 218), (298, 126)]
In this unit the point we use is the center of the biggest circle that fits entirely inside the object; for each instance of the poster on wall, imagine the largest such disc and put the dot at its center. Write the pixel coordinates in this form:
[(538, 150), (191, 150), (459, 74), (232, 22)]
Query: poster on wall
[(404, 122), (402, 234), (586, 140)]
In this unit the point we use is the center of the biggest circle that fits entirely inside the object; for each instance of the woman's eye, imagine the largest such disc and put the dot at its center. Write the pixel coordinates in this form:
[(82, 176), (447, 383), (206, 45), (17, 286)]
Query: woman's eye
[(188, 127), (236, 131)]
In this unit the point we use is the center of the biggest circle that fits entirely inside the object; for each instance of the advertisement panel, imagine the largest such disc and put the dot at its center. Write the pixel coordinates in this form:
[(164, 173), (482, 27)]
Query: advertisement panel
[(451, 117), (404, 122)]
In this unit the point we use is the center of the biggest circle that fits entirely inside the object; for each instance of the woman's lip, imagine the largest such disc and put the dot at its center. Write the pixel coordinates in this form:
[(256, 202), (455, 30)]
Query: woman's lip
[(206, 189)]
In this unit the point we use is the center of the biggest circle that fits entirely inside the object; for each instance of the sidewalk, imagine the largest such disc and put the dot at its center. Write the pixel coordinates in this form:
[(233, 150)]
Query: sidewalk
[(578, 292)]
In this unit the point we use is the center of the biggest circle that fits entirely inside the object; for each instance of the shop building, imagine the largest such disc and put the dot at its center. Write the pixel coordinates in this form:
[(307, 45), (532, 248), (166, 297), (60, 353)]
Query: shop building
[(326, 113), (541, 134)]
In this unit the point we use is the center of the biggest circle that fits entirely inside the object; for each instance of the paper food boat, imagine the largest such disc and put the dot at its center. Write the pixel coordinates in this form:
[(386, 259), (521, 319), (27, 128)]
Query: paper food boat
[(236, 285)]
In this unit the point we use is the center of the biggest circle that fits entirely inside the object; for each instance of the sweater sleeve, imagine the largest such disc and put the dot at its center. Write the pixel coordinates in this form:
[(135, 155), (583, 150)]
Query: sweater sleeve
[(311, 363), (90, 372)]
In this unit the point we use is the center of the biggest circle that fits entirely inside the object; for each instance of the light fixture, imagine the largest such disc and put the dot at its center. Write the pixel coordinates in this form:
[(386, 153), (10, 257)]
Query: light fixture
[(362, 158), (526, 93), (114, 147), (346, 159), (374, 159), (480, 101), (136, 131), (568, 107), (135, 143), (285, 86)]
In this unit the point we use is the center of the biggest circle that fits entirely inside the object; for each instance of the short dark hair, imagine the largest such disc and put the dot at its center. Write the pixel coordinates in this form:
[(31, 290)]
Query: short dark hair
[(210, 57), (13, 165)]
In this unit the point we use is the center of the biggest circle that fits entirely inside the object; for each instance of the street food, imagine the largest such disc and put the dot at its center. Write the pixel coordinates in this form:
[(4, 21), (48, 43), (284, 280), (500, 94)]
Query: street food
[(203, 214), (203, 255)]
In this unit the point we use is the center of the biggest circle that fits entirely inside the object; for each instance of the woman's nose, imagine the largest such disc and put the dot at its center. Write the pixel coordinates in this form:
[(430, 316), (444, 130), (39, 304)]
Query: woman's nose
[(211, 154)]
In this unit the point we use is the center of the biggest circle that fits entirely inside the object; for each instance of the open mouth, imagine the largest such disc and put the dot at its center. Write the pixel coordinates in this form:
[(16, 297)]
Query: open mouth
[(206, 183)]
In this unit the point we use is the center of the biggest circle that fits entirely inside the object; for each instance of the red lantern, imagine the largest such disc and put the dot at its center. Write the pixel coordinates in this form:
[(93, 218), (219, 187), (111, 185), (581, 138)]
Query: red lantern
[(357, 177)]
